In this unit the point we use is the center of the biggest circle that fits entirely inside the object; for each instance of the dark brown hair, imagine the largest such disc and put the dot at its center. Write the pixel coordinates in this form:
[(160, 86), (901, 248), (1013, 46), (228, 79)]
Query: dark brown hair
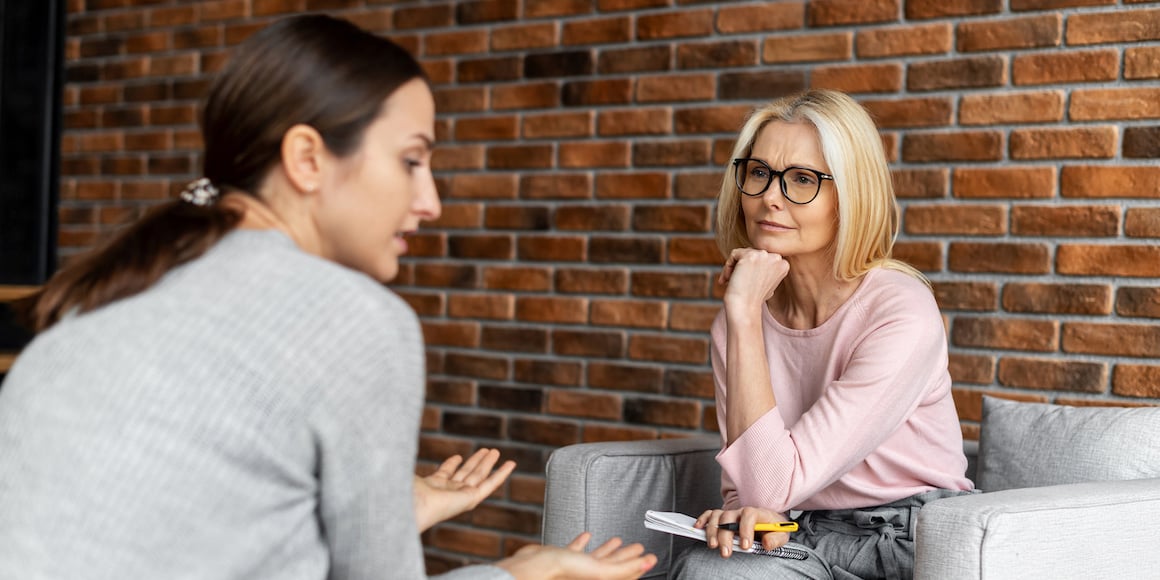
[(312, 69)]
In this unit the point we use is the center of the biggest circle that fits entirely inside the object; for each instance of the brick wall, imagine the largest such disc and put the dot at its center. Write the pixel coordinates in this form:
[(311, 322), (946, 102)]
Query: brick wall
[(567, 290)]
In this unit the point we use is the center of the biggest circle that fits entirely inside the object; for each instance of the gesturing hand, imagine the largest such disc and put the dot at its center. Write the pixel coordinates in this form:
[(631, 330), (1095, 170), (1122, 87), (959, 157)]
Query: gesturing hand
[(610, 561), (458, 486), (746, 518), (752, 276)]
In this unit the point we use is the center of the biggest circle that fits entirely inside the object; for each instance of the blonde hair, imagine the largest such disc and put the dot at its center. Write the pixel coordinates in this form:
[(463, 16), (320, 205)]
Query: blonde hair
[(868, 215)]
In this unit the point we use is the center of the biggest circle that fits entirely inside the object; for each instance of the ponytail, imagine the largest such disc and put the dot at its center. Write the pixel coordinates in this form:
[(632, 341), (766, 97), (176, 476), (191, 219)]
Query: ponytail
[(133, 260)]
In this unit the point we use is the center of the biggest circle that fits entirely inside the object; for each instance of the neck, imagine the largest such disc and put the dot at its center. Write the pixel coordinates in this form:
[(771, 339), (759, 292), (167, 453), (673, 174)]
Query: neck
[(810, 295), (260, 214)]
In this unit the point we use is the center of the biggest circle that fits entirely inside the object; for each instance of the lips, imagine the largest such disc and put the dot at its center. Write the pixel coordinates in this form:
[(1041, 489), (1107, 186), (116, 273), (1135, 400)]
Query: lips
[(767, 225)]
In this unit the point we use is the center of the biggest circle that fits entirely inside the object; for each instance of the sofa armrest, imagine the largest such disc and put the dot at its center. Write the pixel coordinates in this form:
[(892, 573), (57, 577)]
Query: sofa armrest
[(605, 488), (1105, 529)]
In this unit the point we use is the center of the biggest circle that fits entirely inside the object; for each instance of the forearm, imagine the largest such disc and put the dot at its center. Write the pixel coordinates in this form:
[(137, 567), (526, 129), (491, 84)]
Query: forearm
[(748, 389)]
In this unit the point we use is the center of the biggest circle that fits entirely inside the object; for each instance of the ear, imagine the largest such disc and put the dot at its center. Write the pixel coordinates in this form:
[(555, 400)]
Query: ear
[(304, 157)]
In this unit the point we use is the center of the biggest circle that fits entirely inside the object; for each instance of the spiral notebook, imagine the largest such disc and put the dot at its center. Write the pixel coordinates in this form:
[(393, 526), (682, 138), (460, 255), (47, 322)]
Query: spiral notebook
[(682, 525)]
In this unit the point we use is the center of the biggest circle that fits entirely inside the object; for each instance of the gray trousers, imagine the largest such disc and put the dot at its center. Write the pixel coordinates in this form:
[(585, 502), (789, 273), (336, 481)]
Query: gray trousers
[(854, 544)]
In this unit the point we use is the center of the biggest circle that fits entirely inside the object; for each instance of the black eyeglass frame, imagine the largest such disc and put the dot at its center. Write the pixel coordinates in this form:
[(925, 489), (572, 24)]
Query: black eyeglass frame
[(780, 175)]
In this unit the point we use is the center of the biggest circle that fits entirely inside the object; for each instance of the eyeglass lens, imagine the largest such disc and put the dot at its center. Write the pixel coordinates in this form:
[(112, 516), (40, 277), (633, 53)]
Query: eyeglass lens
[(799, 185)]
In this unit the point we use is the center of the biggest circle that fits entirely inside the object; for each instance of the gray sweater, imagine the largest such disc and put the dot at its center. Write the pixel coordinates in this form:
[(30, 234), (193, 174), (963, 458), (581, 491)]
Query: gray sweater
[(254, 415)]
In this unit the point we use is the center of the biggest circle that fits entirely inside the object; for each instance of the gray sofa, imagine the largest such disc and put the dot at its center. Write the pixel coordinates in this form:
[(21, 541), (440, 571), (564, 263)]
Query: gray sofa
[(1070, 492)]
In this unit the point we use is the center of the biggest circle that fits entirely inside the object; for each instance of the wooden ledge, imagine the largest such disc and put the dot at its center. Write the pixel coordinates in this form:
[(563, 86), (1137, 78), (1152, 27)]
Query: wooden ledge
[(10, 293)]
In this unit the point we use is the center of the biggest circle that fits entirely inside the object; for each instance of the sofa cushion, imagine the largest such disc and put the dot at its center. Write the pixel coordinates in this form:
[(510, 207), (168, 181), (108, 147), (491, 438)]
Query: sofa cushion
[(1037, 444)]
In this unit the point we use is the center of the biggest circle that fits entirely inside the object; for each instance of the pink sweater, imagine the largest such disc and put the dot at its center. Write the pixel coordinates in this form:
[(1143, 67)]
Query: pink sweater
[(864, 413)]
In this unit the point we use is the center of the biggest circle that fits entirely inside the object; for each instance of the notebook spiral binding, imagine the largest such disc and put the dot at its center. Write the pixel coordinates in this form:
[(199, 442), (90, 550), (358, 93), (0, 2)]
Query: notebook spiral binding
[(783, 552)]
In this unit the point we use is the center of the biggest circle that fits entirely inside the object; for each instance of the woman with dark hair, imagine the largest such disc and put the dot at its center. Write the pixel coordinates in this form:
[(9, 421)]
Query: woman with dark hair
[(226, 390)]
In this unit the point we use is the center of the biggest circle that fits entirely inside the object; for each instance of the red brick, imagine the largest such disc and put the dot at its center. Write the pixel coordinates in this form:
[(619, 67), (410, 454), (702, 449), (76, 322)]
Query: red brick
[(689, 87), (583, 404), (693, 317), (556, 125), (1027, 32), (556, 186), (594, 433), (594, 154), (1054, 375), (1054, 4), (517, 217), (460, 99), (622, 249), (1064, 221), (1004, 182), (1074, 143), (904, 40), (588, 344), (1066, 67), (999, 257), (666, 348), (808, 47), (764, 84), (1005, 333), (1138, 261), (592, 217), (1107, 181), (625, 377), (482, 186), (967, 368), (526, 489), (542, 8), (446, 275), (592, 281), (970, 296), (562, 373), (598, 31), (670, 153), (844, 12), (552, 248), (598, 92), (679, 24), (761, 16), (459, 216), (552, 309), (699, 185), (465, 540), (1131, 380), (487, 128), (1142, 222), (523, 37), (956, 220), (489, 69), (867, 78), (524, 96), (670, 284), (921, 112), (636, 121), (694, 251), (716, 119), (632, 313), (472, 365), (1117, 26), (958, 146), (1142, 340), (957, 73), (1057, 298), (665, 413), (461, 334), (732, 53), (519, 157), (424, 17), (457, 157), (1142, 62), (672, 218), (1041, 107), (636, 59), (482, 246), (924, 9), (1107, 104), (521, 278)]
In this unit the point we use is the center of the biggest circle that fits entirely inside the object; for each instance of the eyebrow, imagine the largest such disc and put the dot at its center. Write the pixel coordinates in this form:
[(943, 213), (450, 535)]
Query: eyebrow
[(795, 164)]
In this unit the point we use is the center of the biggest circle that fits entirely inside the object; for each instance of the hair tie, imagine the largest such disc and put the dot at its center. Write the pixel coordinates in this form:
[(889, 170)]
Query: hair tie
[(200, 192)]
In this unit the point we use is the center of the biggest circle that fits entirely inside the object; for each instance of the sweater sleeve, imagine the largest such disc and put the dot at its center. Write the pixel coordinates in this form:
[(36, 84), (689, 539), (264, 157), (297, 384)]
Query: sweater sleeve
[(888, 374), (367, 439)]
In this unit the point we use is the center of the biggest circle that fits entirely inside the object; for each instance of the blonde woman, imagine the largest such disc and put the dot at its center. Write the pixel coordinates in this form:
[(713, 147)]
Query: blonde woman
[(829, 356)]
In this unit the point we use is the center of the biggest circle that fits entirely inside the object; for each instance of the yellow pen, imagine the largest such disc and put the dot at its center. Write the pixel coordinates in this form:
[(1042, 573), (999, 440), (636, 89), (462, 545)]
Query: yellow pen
[(768, 527)]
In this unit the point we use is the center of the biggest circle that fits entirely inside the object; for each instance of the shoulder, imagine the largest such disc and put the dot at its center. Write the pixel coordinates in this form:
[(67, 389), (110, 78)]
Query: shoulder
[(892, 297)]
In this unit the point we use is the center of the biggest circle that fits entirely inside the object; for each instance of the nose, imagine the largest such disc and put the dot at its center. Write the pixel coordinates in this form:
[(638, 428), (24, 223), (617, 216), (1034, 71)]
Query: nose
[(773, 195), (426, 204)]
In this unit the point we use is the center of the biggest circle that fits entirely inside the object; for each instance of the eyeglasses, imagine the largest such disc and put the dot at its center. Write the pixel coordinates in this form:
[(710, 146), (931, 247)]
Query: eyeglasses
[(799, 185)]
